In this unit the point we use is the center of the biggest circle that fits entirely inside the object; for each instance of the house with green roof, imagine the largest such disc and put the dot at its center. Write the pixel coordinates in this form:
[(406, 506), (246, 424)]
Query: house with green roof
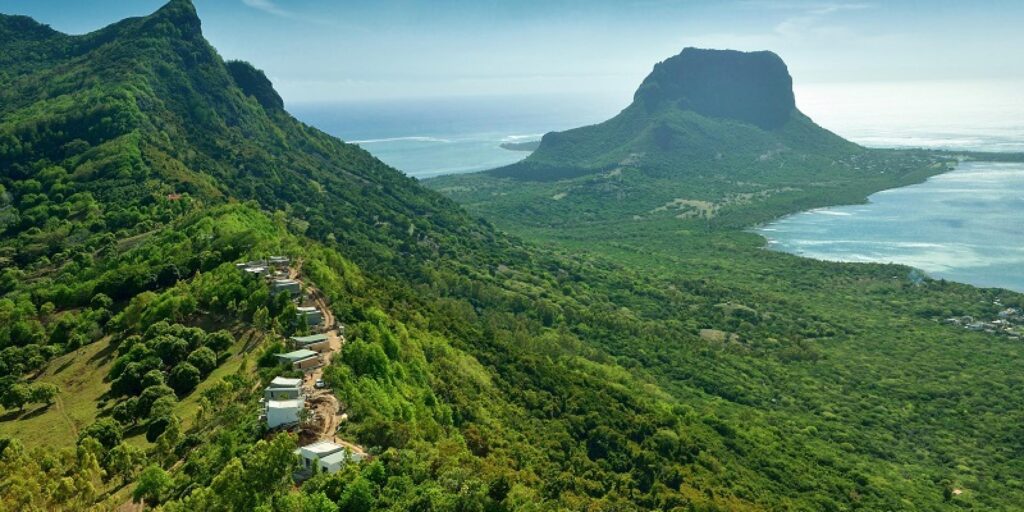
[(302, 359), (317, 342)]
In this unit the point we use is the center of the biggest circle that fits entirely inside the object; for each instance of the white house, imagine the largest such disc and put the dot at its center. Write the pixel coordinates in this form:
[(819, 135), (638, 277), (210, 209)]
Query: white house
[(289, 286), (312, 314), (330, 456), (283, 389), (284, 412), (334, 462)]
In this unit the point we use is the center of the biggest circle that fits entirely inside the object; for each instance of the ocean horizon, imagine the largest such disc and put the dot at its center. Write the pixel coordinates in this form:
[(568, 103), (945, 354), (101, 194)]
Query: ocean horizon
[(437, 136)]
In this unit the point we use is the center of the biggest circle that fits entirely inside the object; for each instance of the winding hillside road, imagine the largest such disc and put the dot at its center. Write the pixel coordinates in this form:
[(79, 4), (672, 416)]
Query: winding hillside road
[(322, 402)]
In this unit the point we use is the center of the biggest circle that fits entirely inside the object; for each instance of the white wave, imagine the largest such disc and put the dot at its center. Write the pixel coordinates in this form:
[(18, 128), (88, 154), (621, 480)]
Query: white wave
[(522, 138), (397, 139), (833, 212)]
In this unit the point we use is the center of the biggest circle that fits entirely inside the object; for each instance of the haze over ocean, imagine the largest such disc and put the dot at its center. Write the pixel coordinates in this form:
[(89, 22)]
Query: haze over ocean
[(963, 225), (435, 136)]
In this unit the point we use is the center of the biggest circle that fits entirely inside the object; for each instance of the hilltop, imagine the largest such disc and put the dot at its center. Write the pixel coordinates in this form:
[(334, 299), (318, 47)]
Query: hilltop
[(479, 371)]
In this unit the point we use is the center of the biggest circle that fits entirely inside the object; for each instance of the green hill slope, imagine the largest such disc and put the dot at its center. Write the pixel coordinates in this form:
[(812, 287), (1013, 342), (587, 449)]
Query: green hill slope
[(481, 372)]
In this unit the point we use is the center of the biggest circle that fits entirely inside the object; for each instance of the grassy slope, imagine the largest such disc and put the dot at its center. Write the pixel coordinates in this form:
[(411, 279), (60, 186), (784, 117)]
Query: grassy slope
[(80, 375)]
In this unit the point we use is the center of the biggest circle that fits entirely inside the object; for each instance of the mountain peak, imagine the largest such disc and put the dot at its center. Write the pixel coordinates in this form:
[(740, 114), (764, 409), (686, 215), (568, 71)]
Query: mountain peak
[(178, 8), (181, 13), (752, 87)]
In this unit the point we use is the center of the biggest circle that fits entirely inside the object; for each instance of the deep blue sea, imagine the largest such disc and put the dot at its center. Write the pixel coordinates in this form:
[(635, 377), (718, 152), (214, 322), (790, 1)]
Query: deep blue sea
[(967, 225)]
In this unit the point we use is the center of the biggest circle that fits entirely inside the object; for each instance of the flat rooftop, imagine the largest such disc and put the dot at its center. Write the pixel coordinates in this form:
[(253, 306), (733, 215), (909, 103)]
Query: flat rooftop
[(341, 457), (312, 338), (286, 404), (321, 448), (297, 355), (284, 382)]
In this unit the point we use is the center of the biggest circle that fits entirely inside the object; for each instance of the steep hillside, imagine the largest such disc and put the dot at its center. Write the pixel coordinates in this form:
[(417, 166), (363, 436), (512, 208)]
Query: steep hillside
[(154, 111), (480, 372)]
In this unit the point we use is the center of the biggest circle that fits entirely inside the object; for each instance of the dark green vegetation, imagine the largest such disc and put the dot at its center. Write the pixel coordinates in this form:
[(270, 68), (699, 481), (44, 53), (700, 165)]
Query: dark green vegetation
[(835, 380), (483, 373)]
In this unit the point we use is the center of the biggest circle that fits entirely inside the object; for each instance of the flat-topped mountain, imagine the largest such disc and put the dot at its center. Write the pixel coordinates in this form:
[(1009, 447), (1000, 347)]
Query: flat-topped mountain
[(750, 87), (713, 135), (709, 109)]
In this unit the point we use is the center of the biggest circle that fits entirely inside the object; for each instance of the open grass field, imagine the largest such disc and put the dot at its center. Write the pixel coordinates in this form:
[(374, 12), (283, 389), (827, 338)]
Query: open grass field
[(81, 375)]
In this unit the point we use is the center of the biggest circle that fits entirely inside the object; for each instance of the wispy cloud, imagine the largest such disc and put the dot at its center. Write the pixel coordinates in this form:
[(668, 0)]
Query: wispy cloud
[(814, 19), (270, 7)]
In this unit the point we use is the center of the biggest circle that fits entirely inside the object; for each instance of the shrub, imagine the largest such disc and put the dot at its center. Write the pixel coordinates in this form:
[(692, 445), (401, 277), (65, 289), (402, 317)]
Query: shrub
[(105, 430), (203, 359), (184, 378)]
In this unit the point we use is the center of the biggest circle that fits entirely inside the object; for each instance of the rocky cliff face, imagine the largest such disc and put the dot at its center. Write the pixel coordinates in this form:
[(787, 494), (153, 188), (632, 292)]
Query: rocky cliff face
[(751, 87)]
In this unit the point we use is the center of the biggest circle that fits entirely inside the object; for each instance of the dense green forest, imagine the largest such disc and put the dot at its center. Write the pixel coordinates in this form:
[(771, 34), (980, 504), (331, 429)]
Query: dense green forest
[(675, 366), (846, 361)]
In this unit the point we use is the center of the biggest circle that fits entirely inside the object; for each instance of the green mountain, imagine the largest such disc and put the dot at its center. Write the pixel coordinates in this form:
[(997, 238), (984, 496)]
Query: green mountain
[(709, 132), (699, 111), (480, 372), (154, 110)]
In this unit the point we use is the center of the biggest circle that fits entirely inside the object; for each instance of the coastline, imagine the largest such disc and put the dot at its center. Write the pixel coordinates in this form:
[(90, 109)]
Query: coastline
[(854, 236)]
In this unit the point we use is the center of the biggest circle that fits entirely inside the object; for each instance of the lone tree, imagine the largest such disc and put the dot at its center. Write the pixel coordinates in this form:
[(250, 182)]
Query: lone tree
[(16, 397), (44, 393), (184, 378), (105, 430)]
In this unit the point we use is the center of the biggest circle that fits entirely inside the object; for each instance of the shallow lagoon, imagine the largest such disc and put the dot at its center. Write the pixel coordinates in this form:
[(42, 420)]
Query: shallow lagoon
[(966, 225)]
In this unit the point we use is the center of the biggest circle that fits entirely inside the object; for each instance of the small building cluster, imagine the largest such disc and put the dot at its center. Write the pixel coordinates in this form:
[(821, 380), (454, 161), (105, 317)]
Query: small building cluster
[(274, 267), (275, 271), (284, 399), (1009, 322)]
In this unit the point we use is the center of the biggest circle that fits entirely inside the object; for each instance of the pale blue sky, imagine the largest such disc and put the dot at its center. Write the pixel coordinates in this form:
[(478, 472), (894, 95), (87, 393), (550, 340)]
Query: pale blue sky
[(319, 50)]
